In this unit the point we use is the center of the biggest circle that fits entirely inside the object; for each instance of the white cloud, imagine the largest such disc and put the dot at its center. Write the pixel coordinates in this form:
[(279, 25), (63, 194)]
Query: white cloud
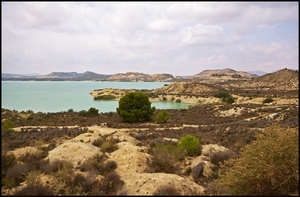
[(179, 38), (202, 35)]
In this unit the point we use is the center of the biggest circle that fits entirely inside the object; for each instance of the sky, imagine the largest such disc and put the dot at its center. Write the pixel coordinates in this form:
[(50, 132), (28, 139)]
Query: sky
[(178, 38)]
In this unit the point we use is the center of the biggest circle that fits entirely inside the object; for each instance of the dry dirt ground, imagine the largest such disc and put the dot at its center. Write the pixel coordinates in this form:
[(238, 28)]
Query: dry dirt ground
[(131, 161)]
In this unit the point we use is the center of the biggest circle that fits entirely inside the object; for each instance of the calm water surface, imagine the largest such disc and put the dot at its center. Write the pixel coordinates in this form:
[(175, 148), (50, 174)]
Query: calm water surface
[(57, 96)]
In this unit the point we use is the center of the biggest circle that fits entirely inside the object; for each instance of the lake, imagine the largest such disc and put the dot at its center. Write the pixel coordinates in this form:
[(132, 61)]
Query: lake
[(59, 96)]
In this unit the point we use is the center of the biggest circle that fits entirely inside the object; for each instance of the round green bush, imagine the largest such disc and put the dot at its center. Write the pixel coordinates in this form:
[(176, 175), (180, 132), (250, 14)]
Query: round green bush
[(162, 117), (190, 144), (135, 107)]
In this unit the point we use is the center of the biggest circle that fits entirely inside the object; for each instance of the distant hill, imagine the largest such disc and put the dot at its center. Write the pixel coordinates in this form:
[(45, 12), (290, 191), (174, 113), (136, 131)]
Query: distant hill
[(226, 73), (285, 79), (91, 76), (74, 76), (136, 76)]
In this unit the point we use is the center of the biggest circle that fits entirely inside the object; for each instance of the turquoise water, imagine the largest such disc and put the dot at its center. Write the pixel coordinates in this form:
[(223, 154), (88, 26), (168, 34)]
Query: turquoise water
[(58, 96)]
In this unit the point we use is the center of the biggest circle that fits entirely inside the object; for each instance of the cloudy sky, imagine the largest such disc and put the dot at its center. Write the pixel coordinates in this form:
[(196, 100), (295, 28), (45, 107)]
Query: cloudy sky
[(179, 38)]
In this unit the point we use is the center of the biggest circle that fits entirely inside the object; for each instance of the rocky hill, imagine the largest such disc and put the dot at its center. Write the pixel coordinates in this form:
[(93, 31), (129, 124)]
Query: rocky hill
[(136, 76), (226, 73), (285, 79)]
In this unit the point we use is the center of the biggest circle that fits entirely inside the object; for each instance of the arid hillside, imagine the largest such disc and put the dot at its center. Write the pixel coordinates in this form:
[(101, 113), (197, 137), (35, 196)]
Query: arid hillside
[(188, 88), (284, 79), (94, 154), (222, 73)]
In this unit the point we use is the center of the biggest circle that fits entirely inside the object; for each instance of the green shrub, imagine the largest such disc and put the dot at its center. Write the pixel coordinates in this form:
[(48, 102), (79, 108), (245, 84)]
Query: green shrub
[(162, 117), (267, 166), (70, 110), (7, 126), (82, 113), (190, 144), (268, 100), (92, 112), (221, 95), (228, 99), (178, 100), (225, 97), (135, 107)]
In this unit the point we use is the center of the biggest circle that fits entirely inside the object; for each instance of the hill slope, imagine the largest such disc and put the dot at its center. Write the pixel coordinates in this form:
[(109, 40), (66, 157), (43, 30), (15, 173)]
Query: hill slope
[(218, 73), (285, 79)]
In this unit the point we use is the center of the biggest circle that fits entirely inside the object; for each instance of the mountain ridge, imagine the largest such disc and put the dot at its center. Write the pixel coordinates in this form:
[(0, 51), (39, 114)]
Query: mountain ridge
[(216, 74)]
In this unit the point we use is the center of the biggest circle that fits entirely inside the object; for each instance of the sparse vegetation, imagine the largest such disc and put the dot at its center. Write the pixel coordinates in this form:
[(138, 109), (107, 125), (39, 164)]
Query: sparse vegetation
[(165, 157), (267, 166), (105, 97), (234, 127)]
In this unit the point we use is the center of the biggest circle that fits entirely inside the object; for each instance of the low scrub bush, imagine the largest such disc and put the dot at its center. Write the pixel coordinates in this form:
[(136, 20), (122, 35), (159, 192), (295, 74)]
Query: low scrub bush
[(221, 95), (162, 117), (165, 157), (15, 175), (111, 183), (92, 112), (268, 165), (7, 126), (166, 190), (98, 142), (110, 145), (7, 161), (225, 97), (190, 144), (98, 162), (221, 156), (34, 190), (268, 100), (33, 159), (33, 178)]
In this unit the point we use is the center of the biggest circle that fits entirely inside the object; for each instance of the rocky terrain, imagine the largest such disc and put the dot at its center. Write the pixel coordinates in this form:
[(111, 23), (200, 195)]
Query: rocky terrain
[(223, 129)]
